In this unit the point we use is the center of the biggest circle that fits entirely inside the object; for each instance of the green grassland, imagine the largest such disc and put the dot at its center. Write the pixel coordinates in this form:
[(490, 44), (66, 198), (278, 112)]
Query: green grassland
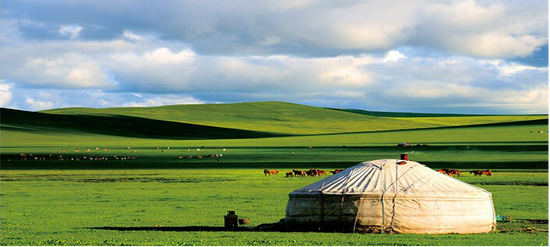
[(122, 207), (69, 200)]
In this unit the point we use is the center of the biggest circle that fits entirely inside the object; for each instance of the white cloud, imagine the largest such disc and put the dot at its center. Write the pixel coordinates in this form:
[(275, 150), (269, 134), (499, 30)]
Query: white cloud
[(132, 36), (70, 70), (492, 30), (5, 94), (392, 56), (70, 30), (167, 100), (263, 58), (513, 68), (38, 104)]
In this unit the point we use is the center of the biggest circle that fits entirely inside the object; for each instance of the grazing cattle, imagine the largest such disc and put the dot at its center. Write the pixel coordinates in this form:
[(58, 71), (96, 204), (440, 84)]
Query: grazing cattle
[(336, 171), (315, 172), (456, 172), (289, 174), (487, 173), (442, 171), (312, 172), (299, 173)]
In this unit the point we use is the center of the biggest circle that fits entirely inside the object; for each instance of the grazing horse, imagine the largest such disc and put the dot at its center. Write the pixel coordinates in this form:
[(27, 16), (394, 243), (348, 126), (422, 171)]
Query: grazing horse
[(450, 172), (488, 173), (442, 171), (269, 173)]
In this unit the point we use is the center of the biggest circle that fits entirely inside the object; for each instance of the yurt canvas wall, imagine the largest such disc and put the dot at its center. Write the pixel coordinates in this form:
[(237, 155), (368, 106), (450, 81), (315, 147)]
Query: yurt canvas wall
[(384, 195)]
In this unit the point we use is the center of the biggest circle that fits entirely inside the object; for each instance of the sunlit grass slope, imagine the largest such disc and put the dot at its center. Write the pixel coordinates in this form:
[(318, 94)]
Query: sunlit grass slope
[(261, 116), (288, 118), (443, 119)]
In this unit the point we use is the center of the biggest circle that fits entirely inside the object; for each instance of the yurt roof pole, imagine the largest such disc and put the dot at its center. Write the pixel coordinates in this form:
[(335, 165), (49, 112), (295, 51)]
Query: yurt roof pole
[(382, 200), (395, 195)]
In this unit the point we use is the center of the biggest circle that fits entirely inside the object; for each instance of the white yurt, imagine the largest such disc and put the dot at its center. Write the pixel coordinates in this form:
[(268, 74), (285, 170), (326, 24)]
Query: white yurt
[(391, 196)]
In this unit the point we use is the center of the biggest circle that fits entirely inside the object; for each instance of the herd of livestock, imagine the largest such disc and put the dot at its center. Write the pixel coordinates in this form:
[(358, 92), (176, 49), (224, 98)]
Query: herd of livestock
[(301, 173), (316, 172), (294, 173), (456, 173)]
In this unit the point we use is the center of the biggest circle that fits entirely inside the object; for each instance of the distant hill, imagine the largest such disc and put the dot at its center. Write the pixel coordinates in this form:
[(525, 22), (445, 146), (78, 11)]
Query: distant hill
[(288, 118), (116, 125)]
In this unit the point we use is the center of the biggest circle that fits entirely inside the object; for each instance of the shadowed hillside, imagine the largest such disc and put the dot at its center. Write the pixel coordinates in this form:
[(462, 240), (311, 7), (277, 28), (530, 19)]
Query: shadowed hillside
[(117, 125)]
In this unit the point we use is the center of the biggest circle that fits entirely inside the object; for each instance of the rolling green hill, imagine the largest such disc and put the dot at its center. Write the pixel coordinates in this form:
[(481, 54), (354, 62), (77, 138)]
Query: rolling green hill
[(288, 118), (115, 125)]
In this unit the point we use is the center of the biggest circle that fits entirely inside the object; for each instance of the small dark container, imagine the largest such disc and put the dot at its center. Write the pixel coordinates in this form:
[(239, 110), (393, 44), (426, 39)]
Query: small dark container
[(231, 220)]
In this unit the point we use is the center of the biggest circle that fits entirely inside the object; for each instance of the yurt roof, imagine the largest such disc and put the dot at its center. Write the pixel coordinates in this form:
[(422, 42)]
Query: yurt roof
[(387, 177)]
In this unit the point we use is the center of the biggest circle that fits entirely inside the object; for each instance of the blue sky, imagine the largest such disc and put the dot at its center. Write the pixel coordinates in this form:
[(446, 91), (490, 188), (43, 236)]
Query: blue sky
[(411, 56)]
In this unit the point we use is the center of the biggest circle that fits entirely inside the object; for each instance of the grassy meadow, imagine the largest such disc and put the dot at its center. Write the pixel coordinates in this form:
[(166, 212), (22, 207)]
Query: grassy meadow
[(58, 193)]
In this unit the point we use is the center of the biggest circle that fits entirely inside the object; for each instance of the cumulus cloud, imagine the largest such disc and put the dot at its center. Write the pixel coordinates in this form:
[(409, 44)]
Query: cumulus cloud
[(392, 56), (70, 30), (165, 100), (38, 104), (496, 30), (413, 56), (501, 29), (5, 94), (72, 70)]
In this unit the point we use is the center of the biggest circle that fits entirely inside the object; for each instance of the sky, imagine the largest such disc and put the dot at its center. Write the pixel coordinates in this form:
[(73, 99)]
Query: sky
[(480, 57)]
